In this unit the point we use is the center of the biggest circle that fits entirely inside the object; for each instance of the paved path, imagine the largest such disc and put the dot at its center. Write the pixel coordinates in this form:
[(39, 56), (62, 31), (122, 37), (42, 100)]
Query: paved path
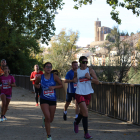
[(24, 123)]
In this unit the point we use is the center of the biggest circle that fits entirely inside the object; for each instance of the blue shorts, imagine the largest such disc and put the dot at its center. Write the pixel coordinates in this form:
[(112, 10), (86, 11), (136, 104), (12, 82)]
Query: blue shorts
[(69, 97)]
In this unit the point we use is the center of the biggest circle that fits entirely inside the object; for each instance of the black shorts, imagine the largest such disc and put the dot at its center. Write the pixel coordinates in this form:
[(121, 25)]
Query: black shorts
[(50, 103), (69, 97)]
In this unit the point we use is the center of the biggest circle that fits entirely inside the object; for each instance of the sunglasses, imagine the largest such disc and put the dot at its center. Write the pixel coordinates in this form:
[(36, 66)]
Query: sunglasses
[(84, 62), (48, 67)]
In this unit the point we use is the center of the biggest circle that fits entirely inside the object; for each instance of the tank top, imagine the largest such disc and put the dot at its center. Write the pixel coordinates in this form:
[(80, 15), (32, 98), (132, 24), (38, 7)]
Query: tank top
[(45, 92), (84, 84)]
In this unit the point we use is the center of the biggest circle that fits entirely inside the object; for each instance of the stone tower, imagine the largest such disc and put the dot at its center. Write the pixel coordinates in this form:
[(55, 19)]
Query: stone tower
[(97, 24), (100, 32)]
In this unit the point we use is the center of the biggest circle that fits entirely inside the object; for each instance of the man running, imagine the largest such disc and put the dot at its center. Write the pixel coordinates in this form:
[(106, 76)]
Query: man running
[(71, 90), (33, 77)]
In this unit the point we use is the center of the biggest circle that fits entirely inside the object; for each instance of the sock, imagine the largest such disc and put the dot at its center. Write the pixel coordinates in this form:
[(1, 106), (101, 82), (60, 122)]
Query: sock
[(85, 124), (65, 112), (48, 136), (2, 116), (76, 116), (78, 119)]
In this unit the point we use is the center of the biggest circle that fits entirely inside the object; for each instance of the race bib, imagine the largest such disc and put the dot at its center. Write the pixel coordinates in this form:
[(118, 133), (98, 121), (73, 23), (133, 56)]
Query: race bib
[(83, 79), (48, 92), (6, 86), (75, 85)]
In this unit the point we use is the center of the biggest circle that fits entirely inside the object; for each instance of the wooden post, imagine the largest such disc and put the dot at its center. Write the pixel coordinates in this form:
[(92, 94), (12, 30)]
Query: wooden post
[(115, 100)]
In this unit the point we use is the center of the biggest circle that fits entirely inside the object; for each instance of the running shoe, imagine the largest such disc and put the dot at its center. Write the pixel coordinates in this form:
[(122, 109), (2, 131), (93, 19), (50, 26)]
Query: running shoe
[(37, 104), (75, 127), (49, 138), (4, 118), (43, 122), (1, 119), (64, 116), (87, 136)]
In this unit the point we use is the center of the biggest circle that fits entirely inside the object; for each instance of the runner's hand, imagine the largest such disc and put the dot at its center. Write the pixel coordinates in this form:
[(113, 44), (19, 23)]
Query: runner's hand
[(51, 88), (9, 83), (87, 75), (37, 86), (74, 80)]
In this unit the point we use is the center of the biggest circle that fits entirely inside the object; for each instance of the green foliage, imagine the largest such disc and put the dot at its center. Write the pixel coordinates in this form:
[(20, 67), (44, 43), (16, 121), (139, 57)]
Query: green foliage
[(105, 73), (33, 18), (16, 50), (62, 51), (133, 5), (122, 59)]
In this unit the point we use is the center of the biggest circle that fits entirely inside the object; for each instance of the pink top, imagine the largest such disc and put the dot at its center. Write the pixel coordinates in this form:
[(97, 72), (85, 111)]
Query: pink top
[(6, 89)]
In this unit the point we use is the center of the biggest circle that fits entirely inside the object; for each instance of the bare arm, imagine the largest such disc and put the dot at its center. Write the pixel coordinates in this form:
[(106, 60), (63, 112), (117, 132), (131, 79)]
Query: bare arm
[(38, 80), (75, 77), (56, 79), (32, 79), (13, 84), (68, 81), (93, 75)]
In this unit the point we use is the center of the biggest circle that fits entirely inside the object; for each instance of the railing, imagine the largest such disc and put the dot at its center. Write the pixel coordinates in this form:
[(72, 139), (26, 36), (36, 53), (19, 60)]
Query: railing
[(117, 100)]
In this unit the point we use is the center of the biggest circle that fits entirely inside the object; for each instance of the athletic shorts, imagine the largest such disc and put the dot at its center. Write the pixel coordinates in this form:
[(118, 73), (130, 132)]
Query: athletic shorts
[(7, 96), (69, 97), (83, 98), (50, 103)]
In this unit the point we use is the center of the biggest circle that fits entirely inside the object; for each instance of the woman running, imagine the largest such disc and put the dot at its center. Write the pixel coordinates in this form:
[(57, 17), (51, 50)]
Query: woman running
[(8, 82), (48, 95), (84, 76)]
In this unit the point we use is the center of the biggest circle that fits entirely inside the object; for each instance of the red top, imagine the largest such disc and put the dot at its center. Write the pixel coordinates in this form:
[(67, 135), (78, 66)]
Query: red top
[(35, 75)]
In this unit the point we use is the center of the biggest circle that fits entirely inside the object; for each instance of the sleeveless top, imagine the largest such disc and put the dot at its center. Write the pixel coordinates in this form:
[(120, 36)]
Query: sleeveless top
[(45, 92), (84, 84)]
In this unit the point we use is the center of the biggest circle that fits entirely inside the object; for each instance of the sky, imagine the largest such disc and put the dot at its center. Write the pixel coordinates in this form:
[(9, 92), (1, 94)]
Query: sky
[(82, 20)]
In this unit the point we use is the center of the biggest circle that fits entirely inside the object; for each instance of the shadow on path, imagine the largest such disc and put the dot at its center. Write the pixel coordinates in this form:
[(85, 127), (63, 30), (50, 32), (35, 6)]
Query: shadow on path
[(24, 123)]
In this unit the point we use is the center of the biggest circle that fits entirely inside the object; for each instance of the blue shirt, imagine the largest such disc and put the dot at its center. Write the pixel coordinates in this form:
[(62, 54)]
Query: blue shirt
[(71, 86), (45, 92)]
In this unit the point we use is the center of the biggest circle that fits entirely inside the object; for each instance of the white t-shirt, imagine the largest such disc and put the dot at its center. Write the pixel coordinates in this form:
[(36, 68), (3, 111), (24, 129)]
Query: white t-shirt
[(84, 84)]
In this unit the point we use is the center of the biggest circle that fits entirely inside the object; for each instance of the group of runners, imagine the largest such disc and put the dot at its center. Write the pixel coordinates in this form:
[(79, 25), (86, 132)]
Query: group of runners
[(44, 85)]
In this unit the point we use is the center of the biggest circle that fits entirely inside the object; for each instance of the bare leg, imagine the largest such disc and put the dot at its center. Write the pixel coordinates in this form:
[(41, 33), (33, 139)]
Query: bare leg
[(48, 112), (66, 106), (6, 106), (3, 98)]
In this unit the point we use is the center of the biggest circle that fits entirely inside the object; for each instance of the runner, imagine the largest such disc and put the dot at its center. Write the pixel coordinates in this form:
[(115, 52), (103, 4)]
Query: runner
[(71, 90), (33, 77), (83, 93), (8, 82), (3, 63), (48, 95)]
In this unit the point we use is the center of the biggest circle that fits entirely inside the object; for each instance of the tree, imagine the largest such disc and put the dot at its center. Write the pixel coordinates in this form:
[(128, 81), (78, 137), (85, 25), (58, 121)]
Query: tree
[(16, 50), (62, 51), (32, 18), (123, 59), (128, 4)]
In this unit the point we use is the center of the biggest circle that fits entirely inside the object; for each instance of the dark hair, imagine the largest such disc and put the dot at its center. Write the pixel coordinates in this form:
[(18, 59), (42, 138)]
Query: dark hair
[(5, 66), (74, 62), (81, 58), (47, 63), (55, 72)]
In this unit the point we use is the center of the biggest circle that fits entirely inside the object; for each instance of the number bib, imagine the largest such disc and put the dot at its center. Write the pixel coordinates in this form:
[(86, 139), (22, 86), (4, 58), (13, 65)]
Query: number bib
[(75, 85), (6, 86), (48, 92)]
